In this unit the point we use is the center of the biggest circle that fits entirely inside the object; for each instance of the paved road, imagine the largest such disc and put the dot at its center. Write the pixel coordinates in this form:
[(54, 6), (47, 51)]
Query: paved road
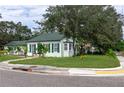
[(19, 79)]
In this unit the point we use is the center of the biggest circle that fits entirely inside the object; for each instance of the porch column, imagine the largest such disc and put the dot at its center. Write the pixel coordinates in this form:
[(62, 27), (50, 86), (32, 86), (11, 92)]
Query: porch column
[(28, 48), (36, 48)]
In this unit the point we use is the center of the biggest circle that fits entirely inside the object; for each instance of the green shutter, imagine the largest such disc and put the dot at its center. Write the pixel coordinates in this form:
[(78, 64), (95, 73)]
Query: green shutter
[(58, 48), (52, 48), (30, 48), (49, 48)]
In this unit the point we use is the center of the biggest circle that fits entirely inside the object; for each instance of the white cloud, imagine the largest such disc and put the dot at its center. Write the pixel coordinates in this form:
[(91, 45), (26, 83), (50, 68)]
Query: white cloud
[(24, 14), (119, 8)]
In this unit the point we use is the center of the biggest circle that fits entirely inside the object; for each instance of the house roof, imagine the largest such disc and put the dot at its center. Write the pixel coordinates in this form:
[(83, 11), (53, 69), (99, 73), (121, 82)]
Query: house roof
[(16, 43), (51, 36)]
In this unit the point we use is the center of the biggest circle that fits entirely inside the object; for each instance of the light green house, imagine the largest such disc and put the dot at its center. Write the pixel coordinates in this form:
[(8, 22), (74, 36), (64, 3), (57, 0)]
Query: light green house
[(57, 44), (16, 47)]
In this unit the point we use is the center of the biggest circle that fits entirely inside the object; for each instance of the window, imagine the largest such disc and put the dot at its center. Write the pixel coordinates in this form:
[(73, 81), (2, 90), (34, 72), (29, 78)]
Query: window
[(32, 48), (65, 46), (55, 47), (70, 46)]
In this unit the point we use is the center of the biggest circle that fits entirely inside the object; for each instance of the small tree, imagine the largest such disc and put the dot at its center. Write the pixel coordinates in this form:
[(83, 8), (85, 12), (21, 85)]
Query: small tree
[(18, 49), (41, 49), (9, 49), (25, 50), (111, 53)]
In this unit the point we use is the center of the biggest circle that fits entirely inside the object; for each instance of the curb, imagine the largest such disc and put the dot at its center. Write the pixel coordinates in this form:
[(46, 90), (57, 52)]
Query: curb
[(60, 70), (103, 69), (69, 72)]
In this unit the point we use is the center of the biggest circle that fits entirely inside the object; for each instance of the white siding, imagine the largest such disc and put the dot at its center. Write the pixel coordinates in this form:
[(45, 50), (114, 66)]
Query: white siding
[(61, 53), (28, 46), (53, 54), (67, 53)]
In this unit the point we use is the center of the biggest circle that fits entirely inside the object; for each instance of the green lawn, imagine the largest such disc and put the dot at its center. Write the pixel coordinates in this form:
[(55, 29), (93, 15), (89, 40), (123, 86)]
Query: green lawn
[(90, 61), (8, 57)]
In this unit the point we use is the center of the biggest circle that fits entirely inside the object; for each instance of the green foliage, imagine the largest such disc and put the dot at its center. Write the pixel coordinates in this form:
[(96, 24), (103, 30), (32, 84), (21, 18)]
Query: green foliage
[(18, 49), (99, 25), (120, 46), (111, 53), (41, 49), (82, 56), (2, 52), (10, 31), (9, 49), (25, 50), (22, 32)]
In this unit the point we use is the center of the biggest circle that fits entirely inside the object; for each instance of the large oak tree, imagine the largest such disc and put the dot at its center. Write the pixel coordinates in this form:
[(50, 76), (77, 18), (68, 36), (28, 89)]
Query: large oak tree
[(97, 25)]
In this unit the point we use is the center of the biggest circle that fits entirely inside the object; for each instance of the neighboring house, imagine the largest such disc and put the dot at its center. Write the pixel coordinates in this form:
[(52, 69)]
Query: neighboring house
[(56, 43), (16, 47)]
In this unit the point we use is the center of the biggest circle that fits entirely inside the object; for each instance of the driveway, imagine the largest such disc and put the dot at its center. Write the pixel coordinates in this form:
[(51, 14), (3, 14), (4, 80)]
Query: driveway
[(21, 79)]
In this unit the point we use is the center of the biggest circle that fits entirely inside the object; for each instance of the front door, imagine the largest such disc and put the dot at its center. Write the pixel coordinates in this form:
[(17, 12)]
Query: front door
[(65, 52), (33, 48)]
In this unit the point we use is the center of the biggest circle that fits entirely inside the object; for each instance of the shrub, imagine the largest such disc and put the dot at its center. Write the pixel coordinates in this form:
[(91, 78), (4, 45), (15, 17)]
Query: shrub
[(25, 50), (18, 49), (111, 53), (42, 49), (82, 56), (120, 46), (9, 49), (2, 52)]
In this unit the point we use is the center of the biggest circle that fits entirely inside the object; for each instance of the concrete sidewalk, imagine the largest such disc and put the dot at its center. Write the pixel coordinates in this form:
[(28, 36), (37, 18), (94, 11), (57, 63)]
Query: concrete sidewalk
[(118, 71), (121, 59), (64, 71)]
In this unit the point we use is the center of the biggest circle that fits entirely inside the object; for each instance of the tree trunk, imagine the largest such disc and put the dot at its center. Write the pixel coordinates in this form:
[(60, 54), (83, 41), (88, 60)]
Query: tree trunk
[(25, 54), (81, 51), (74, 35), (74, 47)]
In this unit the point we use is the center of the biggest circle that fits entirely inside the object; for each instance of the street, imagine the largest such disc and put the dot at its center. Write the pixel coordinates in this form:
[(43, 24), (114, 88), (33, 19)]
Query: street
[(20, 79)]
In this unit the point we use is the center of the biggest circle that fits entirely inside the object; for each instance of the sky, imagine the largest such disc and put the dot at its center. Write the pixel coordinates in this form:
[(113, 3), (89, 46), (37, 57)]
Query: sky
[(27, 13)]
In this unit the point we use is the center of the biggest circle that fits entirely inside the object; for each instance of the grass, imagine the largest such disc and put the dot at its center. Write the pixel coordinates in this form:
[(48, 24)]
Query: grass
[(90, 61), (8, 57)]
